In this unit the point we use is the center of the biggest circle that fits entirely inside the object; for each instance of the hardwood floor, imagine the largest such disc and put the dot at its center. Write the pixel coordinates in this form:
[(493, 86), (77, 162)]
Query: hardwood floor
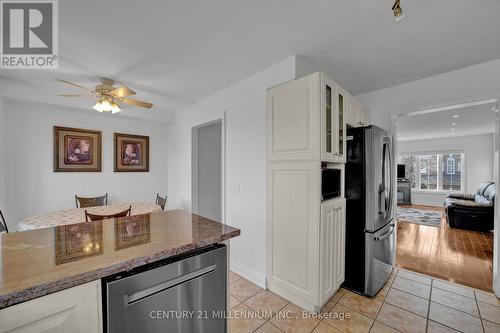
[(461, 256)]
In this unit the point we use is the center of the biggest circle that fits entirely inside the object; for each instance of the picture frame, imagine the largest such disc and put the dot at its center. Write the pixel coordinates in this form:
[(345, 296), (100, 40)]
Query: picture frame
[(77, 150), (131, 153), (132, 231), (78, 241)]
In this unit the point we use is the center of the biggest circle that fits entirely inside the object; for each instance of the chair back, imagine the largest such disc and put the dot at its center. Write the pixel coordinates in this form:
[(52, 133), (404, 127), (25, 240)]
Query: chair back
[(162, 202), (95, 217), (82, 202), (3, 224)]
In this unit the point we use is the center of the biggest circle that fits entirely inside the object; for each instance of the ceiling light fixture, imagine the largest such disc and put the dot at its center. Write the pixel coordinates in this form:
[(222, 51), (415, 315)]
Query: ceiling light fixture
[(106, 105), (456, 116), (453, 124), (398, 11)]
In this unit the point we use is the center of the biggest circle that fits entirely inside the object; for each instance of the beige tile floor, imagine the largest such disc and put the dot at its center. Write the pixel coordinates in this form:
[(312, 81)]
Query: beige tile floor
[(409, 302)]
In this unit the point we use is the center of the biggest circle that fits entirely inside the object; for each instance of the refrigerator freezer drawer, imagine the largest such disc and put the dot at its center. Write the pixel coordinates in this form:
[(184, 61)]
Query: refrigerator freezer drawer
[(379, 258)]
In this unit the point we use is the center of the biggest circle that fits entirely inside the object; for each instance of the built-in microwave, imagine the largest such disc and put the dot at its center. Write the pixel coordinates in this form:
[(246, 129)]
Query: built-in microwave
[(330, 183)]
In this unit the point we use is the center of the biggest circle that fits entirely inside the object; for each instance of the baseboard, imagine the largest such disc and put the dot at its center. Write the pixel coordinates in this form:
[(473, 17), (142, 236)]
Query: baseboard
[(292, 297), (249, 274)]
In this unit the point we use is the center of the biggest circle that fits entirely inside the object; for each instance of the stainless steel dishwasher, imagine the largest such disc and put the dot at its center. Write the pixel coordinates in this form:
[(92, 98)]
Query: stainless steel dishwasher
[(185, 295)]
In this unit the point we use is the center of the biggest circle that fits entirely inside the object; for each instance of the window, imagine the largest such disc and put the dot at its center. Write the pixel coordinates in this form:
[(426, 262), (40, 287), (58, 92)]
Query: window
[(435, 171)]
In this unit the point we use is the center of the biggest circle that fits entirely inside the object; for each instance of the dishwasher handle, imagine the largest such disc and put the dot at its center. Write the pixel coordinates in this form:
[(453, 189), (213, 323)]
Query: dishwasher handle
[(148, 292)]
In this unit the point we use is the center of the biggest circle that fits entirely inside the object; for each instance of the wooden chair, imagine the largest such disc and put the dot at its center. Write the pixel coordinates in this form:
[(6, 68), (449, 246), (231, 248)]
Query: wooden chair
[(94, 217), (3, 224), (162, 202), (82, 202)]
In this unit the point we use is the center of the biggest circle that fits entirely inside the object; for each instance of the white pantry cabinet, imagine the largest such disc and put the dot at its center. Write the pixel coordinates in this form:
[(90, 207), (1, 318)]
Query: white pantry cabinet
[(76, 310), (332, 247), (306, 127)]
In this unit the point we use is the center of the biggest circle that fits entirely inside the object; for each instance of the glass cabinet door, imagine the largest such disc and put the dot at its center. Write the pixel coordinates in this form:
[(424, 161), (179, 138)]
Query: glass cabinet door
[(340, 126), (328, 122)]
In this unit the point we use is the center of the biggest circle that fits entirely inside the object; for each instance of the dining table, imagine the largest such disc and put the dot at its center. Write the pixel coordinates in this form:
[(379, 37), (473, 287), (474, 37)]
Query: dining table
[(77, 215)]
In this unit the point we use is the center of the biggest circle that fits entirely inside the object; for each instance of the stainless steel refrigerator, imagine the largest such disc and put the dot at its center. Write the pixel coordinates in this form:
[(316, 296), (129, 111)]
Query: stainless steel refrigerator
[(370, 224)]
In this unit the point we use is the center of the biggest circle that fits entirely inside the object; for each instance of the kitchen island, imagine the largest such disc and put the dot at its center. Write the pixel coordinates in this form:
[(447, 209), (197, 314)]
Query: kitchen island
[(40, 264)]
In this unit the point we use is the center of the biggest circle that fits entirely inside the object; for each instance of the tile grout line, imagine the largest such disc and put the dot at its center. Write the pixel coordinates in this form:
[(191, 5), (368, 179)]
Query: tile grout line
[(383, 302), (429, 307), (268, 320), (479, 310), (449, 307)]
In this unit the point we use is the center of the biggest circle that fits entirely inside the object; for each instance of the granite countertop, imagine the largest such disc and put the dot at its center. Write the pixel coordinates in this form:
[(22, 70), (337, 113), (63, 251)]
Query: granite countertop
[(39, 262)]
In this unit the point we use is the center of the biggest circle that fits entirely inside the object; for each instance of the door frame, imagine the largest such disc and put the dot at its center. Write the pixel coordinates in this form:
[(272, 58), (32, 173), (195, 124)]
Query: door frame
[(209, 120), (494, 101)]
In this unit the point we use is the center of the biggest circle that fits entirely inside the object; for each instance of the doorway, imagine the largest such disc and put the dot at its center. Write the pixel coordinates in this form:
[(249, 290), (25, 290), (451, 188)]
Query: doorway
[(207, 170), (446, 156)]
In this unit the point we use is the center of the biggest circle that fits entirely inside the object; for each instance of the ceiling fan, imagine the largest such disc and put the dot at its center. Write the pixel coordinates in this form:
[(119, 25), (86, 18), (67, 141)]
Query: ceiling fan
[(108, 97)]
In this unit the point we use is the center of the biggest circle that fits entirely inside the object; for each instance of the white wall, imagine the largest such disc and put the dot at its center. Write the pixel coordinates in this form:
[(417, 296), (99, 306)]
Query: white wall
[(479, 161), (245, 105), (477, 82), (32, 187)]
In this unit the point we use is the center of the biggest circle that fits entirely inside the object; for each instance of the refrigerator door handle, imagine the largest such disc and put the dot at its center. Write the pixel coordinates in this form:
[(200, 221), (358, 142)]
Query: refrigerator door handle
[(391, 181), (385, 235), (387, 184)]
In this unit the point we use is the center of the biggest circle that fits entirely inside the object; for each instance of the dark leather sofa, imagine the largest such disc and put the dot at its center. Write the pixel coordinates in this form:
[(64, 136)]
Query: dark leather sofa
[(472, 211)]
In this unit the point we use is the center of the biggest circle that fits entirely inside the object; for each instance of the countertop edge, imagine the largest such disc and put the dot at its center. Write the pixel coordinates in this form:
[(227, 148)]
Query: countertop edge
[(44, 289)]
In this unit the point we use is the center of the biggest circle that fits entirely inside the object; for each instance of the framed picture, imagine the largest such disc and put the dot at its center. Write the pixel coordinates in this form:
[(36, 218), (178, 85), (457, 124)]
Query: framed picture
[(131, 231), (78, 241), (77, 150), (131, 153)]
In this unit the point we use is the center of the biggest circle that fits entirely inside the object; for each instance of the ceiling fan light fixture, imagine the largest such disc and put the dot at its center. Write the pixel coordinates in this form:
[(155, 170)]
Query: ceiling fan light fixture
[(398, 11), (106, 105)]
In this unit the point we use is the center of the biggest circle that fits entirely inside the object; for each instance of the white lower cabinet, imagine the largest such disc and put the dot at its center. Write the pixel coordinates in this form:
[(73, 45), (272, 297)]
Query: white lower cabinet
[(293, 231), (305, 237), (75, 310), (332, 247)]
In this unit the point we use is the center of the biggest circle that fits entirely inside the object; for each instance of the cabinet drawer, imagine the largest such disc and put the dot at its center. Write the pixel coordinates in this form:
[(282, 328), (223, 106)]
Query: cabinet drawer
[(75, 310)]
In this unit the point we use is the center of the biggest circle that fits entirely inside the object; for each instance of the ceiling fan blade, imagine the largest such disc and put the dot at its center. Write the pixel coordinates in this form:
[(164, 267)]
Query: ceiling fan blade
[(122, 92), (137, 103), (74, 84), (76, 95)]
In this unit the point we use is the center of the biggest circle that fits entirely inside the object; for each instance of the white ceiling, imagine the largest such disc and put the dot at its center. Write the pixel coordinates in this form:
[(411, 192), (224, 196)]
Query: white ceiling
[(473, 120), (176, 52)]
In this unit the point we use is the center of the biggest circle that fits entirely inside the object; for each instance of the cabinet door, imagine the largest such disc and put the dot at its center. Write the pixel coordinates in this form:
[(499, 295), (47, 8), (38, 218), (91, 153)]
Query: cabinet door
[(76, 309), (339, 213), (364, 117), (293, 120), (293, 231), (341, 126), (352, 112), (329, 120), (332, 247)]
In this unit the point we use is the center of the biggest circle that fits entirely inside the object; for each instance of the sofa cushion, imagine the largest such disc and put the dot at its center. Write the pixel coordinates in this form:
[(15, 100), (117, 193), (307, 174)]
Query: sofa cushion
[(489, 192), (467, 203), (483, 187), (465, 196), (480, 200)]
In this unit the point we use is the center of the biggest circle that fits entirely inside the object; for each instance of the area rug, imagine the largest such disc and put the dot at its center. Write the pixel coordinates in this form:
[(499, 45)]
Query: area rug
[(430, 218)]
